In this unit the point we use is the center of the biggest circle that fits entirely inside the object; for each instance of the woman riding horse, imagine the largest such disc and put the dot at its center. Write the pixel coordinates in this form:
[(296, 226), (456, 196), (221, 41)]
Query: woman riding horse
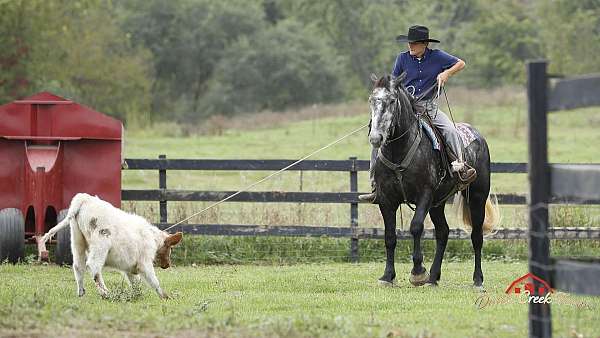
[(423, 67)]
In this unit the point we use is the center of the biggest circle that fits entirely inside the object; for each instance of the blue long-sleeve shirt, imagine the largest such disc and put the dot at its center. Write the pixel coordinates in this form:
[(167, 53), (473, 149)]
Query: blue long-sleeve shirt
[(422, 73)]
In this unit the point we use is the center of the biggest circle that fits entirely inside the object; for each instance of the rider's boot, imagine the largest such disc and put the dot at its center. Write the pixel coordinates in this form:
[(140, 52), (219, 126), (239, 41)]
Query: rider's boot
[(372, 197), (369, 198), (465, 174)]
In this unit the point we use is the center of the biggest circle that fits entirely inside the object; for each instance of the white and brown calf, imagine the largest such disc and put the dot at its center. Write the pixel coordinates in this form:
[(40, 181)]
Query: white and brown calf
[(102, 235)]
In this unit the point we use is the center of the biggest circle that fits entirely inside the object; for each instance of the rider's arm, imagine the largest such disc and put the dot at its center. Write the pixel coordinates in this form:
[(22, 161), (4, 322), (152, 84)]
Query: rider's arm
[(458, 66), (443, 76)]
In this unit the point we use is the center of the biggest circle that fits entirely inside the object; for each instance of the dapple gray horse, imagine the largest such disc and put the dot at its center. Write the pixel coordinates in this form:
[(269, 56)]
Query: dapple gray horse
[(409, 170)]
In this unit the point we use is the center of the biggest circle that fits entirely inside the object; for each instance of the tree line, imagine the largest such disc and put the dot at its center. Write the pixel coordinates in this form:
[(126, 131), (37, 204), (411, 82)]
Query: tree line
[(148, 60)]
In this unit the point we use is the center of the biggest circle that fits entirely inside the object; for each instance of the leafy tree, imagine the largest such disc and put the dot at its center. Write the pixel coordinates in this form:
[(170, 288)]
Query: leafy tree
[(187, 39), (445, 18), (188, 58), (497, 44), (14, 54), (571, 34), (273, 12), (274, 69), (362, 33), (76, 49)]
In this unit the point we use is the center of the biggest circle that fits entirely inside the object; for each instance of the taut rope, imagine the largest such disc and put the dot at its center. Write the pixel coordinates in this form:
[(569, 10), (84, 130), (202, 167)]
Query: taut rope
[(268, 177)]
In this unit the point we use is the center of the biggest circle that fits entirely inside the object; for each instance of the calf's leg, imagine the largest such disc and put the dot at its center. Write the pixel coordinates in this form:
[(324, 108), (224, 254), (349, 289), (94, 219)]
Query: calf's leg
[(78, 247), (95, 262), (150, 276), (131, 278)]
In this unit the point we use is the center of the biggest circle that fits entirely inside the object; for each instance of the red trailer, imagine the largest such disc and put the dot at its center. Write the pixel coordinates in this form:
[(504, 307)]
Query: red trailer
[(50, 149)]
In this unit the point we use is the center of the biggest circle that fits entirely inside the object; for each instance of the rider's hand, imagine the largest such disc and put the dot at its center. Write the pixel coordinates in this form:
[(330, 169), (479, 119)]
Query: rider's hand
[(442, 78)]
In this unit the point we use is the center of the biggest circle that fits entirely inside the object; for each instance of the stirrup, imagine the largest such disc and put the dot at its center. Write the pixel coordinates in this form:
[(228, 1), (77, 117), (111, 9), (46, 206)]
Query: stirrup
[(467, 175)]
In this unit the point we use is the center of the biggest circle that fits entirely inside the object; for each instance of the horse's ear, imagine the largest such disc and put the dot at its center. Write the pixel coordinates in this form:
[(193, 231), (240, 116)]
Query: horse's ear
[(394, 83), (374, 77)]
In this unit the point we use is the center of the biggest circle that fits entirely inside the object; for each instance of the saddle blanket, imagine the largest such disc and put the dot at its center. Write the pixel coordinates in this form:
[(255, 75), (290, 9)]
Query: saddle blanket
[(427, 128), (466, 134)]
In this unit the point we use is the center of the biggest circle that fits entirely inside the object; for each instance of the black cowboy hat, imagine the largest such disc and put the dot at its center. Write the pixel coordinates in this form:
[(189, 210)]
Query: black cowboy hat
[(416, 34)]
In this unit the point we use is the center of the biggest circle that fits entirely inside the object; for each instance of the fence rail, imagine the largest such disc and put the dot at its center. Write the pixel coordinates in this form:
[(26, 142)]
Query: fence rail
[(367, 233), (295, 197), (353, 166), (271, 165)]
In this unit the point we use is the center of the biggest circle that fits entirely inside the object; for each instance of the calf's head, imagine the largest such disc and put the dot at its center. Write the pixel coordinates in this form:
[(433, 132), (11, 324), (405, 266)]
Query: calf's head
[(163, 254)]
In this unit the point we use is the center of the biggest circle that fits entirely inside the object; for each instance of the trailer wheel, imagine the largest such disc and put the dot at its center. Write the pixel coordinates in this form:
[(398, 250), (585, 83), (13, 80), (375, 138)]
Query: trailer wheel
[(12, 235), (63, 242)]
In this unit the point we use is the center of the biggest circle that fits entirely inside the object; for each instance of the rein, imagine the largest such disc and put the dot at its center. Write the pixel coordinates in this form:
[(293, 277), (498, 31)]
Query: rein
[(402, 135), (417, 99), (399, 169), (396, 115)]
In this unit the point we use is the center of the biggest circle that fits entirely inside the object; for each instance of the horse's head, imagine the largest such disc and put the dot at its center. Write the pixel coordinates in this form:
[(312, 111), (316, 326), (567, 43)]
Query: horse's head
[(381, 102)]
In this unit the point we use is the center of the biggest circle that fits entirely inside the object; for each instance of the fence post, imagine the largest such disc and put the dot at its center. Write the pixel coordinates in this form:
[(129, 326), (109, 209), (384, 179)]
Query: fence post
[(354, 213), (540, 324), (162, 184)]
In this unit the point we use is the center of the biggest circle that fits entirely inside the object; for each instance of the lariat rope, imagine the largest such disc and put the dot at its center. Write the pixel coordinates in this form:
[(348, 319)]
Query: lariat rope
[(268, 177), (300, 160), (448, 103), (437, 99)]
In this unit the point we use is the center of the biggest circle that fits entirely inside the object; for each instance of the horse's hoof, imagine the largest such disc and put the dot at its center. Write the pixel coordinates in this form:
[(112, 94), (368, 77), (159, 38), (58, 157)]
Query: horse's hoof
[(419, 280), (386, 283), (479, 288)]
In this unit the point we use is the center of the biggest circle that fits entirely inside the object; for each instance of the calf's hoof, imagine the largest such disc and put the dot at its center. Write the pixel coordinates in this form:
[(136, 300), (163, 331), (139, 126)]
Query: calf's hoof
[(81, 292), (419, 280), (44, 257)]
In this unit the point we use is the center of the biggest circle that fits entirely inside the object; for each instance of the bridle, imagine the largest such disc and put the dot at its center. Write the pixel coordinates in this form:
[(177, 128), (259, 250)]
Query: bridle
[(395, 118), (399, 168)]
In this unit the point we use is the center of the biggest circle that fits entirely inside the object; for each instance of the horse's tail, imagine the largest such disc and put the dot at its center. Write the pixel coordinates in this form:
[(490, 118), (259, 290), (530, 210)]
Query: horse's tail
[(492, 212)]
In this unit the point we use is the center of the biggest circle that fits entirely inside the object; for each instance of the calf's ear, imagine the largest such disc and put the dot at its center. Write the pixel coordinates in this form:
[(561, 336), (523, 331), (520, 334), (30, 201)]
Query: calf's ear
[(174, 239)]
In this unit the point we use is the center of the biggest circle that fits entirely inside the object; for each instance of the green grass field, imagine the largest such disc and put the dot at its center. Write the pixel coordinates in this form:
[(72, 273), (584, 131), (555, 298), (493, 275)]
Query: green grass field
[(303, 300)]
